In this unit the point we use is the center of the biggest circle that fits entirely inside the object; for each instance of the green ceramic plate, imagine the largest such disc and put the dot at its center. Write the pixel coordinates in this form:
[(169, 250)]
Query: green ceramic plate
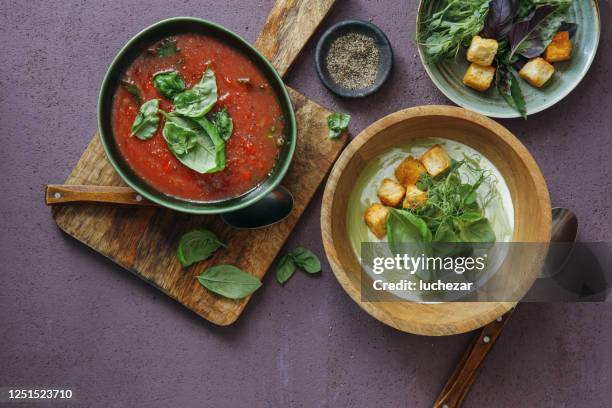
[(137, 45), (448, 75)]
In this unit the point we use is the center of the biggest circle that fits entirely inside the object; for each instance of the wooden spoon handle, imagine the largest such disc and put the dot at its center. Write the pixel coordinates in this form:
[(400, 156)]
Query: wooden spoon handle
[(459, 383), (56, 194)]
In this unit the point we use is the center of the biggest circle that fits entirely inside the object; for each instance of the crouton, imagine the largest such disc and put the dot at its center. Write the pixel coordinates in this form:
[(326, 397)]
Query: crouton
[(414, 197), (537, 72), (560, 49), (376, 219), (436, 160), (409, 171), (478, 77), (391, 193), (482, 51)]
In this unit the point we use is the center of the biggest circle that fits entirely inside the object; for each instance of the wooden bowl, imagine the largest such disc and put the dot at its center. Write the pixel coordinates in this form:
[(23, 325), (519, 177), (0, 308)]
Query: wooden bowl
[(532, 210)]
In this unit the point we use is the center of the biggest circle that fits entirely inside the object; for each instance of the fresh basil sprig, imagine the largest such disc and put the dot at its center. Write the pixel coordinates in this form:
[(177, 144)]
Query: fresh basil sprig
[(199, 100), (229, 281), (197, 245), (300, 257), (169, 84), (223, 122), (194, 140), (337, 123), (147, 120)]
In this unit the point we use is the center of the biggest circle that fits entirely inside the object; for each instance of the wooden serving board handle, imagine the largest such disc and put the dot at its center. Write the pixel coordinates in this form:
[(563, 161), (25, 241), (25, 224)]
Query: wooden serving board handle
[(56, 194), (288, 28), (459, 383)]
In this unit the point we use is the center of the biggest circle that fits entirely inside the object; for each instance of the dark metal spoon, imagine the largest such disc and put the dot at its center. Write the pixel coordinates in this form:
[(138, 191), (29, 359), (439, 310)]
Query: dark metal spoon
[(564, 230), (272, 208)]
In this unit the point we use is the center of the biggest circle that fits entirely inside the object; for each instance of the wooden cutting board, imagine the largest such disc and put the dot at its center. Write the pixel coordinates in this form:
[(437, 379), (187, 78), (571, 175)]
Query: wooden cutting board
[(144, 240)]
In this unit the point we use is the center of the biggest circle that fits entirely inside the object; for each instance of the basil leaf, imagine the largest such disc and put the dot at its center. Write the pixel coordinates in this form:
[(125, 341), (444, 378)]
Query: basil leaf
[(499, 18), (306, 260), (223, 122), (200, 99), (198, 148), (133, 89), (146, 121), (190, 104), (169, 84), (167, 47), (530, 36), (300, 257), (197, 245), (337, 123), (207, 86), (285, 270), (217, 141), (229, 281), (445, 233), (180, 139), (405, 227), (517, 97), (477, 231), (509, 88), (471, 216)]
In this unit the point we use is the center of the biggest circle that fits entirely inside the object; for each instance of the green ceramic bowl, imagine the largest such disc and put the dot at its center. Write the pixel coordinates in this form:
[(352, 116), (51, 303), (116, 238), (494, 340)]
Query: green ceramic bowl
[(141, 42), (448, 75)]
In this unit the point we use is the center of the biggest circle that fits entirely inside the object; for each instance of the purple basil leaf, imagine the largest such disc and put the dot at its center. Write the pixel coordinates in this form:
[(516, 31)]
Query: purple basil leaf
[(570, 27), (499, 19), (523, 36)]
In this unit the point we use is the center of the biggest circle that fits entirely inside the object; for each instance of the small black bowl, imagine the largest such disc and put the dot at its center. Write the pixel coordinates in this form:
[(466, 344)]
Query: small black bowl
[(384, 63)]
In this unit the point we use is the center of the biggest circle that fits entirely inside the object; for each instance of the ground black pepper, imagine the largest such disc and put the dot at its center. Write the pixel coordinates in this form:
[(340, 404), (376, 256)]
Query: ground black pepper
[(352, 60)]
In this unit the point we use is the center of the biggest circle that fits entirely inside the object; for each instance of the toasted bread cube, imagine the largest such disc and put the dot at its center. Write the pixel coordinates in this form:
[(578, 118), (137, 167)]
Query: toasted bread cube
[(376, 219), (560, 49), (414, 197), (391, 193), (537, 72), (482, 51), (409, 171), (478, 77), (436, 160)]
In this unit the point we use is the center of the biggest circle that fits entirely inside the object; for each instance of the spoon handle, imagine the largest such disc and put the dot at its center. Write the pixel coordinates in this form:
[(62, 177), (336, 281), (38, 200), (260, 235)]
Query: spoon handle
[(459, 383), (57, 194)]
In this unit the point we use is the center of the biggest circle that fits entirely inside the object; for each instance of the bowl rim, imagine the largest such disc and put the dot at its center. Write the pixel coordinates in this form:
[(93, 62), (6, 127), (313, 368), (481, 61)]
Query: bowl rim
[(511, 113), (375, 309), (346, 25), (180, 204)]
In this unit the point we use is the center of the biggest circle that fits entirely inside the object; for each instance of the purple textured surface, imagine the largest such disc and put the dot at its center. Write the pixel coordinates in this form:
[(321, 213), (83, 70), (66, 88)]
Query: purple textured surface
[(71, 318)]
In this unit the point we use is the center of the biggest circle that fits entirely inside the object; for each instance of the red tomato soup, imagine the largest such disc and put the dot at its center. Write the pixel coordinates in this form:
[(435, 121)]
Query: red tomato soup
[(251, 151)]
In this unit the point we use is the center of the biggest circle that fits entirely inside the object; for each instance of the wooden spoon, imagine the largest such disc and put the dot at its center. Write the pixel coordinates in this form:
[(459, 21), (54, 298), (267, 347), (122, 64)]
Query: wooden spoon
[(56, 194), (564, 229), (270, 209), (459, 383)]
